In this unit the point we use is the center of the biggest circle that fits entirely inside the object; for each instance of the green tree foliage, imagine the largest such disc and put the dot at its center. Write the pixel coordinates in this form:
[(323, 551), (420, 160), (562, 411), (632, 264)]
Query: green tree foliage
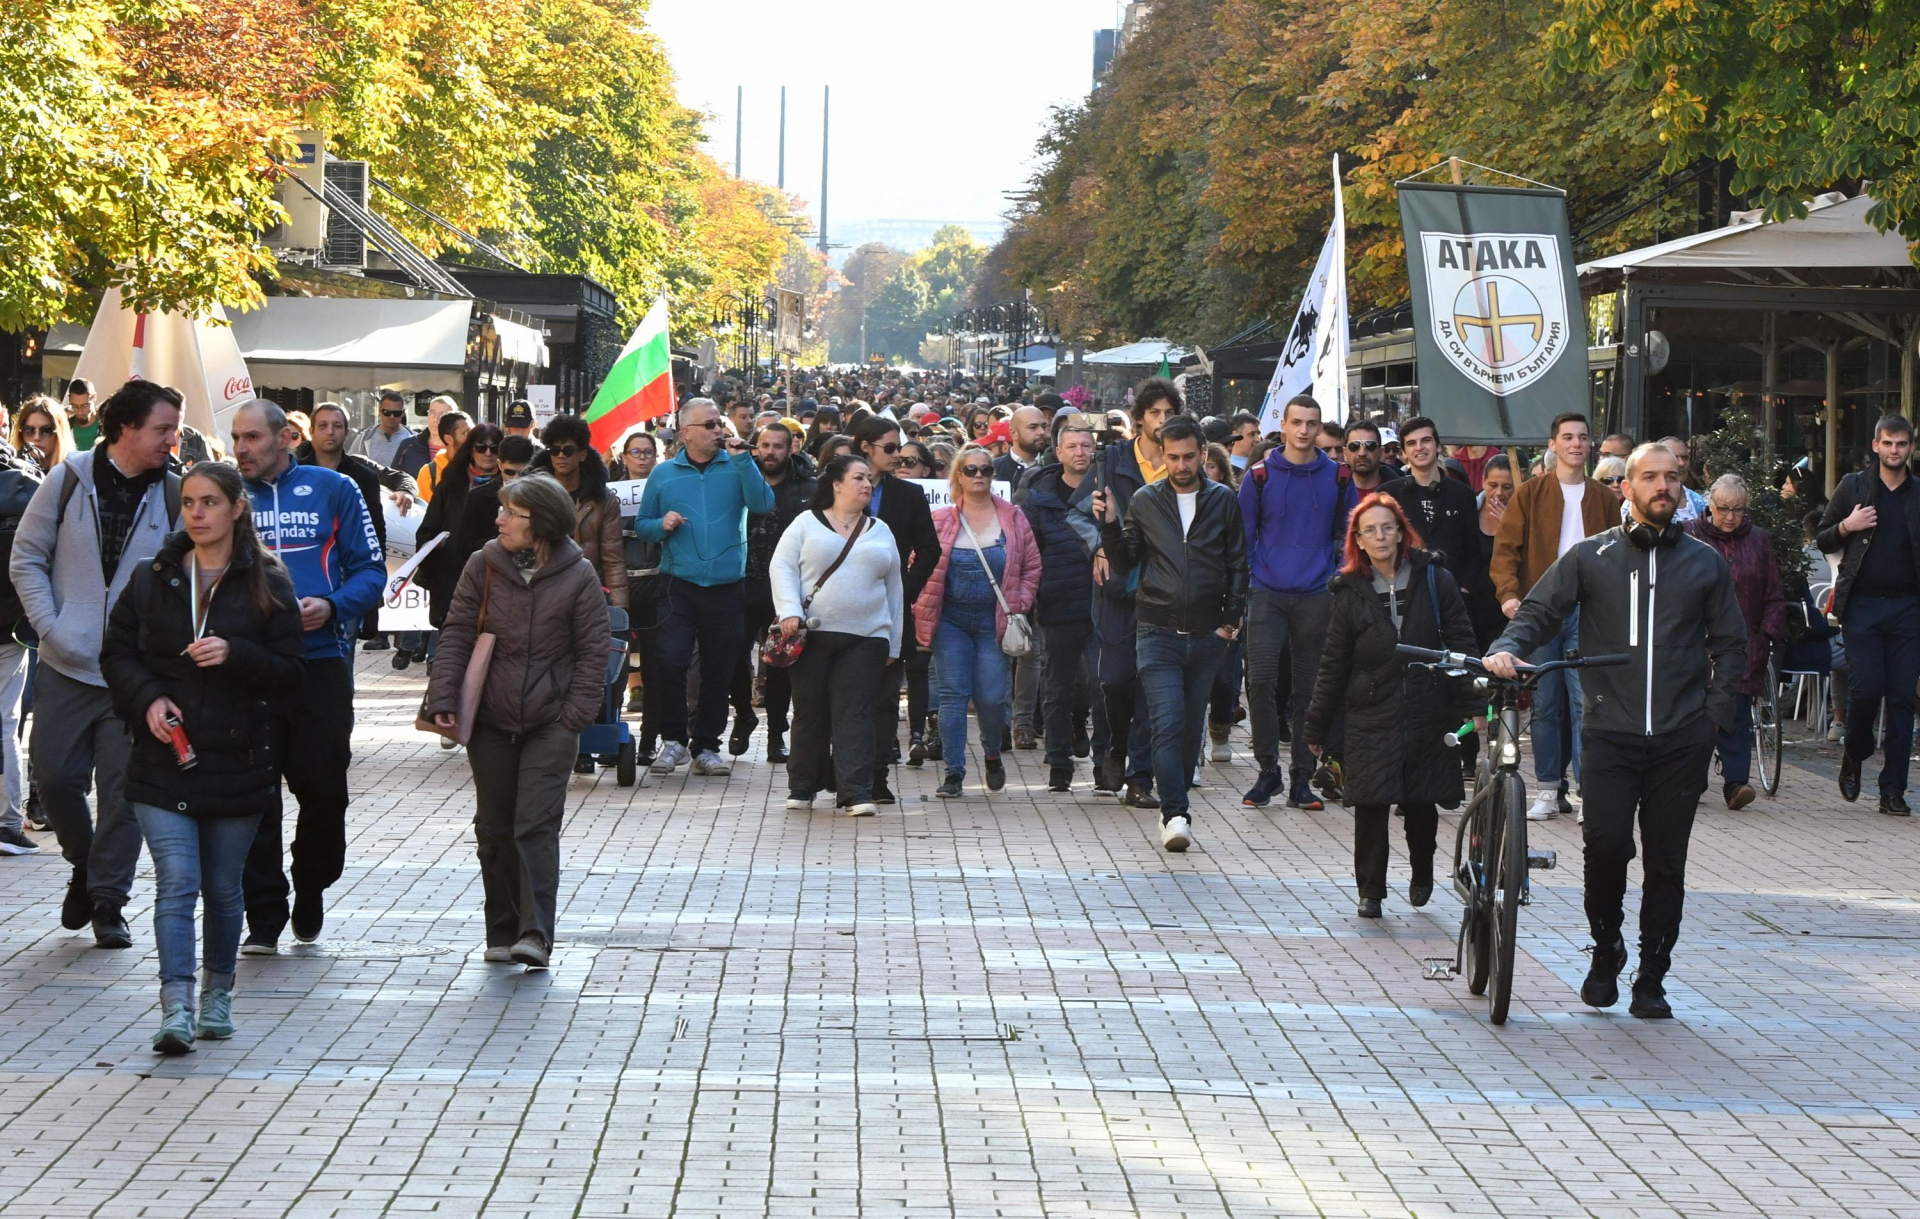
[(140, 142), (925, 289), (1802, 96), (125, 161), (1191, 193)]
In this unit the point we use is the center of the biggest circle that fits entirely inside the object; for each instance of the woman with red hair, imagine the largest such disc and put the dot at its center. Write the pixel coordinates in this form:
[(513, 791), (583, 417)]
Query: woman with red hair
[(1390, 591)]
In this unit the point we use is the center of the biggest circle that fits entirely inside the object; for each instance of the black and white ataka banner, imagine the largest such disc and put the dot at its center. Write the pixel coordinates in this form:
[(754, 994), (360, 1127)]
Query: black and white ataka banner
[(1314, 360), (1500, 340)]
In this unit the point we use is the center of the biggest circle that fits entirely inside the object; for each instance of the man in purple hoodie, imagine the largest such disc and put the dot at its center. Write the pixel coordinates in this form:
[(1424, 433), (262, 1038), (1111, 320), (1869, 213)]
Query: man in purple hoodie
[(1293, 504)]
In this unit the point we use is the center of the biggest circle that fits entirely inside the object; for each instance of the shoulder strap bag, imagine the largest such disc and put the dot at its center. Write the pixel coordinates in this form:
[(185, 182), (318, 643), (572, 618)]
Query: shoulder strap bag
[(1017, 640), (472, 682), (779, 650)]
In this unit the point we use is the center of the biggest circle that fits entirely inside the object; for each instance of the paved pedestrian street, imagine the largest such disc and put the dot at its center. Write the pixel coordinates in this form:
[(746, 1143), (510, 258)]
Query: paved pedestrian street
[(1014, 1005)]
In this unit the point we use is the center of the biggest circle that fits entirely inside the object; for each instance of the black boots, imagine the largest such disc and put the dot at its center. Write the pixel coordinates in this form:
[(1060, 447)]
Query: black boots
[(1602, 987), (1649, 990)]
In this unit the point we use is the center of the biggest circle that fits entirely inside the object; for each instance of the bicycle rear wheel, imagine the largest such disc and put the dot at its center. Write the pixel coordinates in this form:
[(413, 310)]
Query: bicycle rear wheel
[(1508, 855), (1483, 812), (1766, 731)]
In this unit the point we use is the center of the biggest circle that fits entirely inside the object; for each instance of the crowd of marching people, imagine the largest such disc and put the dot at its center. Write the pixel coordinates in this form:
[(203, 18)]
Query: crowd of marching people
[(1116, 587)]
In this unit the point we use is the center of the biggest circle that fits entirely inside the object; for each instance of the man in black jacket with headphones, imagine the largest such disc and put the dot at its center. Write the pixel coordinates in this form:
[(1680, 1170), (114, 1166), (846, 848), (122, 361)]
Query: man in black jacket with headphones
[(1648, 590)]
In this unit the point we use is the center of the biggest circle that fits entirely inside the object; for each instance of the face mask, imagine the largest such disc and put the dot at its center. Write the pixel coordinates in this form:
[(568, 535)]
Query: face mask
[(1239, 462)]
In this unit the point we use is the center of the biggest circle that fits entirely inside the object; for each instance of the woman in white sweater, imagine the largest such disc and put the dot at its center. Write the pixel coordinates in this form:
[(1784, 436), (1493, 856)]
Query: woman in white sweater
[(853, 614)]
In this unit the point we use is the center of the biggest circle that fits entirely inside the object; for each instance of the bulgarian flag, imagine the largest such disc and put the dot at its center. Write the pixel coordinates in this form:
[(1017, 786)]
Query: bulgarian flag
[(640, 384)]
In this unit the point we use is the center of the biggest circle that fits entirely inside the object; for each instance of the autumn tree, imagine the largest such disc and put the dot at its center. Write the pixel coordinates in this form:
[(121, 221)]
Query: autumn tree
[(1801, 96), (135, 156)]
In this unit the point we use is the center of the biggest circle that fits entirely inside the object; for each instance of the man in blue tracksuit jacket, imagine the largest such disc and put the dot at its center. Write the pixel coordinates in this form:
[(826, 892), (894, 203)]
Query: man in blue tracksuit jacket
[(317, 522), (696, 507), (1294, 504)]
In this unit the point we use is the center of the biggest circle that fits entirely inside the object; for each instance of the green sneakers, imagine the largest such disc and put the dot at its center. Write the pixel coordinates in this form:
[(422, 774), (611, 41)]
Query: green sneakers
[(176, 1030), (216, 1016)]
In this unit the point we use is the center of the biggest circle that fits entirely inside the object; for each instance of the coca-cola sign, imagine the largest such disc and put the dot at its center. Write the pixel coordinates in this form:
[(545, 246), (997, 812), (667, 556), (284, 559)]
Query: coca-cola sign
[(239, 387)]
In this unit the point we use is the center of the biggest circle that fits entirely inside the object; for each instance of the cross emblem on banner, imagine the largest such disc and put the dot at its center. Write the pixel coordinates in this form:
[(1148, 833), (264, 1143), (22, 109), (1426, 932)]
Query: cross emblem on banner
[(1493, 321)]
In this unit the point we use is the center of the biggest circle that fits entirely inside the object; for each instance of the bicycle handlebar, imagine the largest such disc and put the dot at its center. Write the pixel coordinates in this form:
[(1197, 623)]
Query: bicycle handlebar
[(1528, 673)]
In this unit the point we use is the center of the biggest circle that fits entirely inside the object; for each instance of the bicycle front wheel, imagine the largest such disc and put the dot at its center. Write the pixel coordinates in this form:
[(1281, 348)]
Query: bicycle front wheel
[(1508, 882), (1766, 731)]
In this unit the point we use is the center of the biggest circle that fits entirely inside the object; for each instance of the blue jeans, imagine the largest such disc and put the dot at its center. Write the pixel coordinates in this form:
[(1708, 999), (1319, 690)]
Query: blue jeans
[(1736, 747), (1557, 712), (966, 651), (1177, 672), (1883, 656), (196, 857)]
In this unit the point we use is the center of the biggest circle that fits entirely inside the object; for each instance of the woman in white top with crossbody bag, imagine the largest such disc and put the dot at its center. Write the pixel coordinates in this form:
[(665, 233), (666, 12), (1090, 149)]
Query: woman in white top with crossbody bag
[(836, 575)]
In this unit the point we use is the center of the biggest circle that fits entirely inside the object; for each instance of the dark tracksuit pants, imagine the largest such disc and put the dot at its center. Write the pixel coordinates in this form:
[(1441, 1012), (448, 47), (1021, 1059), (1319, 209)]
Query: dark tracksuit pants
[(1659, 780), (315, 729)]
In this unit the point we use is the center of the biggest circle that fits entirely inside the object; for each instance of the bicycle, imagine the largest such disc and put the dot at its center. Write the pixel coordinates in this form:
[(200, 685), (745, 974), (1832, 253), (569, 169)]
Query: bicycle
[(1766, 730), (1491, 858)]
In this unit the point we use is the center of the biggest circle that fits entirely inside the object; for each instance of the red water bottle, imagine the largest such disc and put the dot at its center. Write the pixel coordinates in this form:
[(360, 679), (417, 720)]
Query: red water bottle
[(182, 748)]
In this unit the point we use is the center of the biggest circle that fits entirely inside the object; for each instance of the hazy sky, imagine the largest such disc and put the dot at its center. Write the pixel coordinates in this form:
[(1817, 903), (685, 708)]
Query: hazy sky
[(936, 103)]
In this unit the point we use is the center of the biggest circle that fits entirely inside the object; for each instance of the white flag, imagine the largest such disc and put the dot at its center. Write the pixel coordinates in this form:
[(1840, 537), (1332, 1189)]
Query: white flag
[(1314, 360)]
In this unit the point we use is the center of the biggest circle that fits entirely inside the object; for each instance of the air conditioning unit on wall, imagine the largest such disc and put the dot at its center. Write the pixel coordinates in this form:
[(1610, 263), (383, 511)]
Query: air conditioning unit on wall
[(305, 227)]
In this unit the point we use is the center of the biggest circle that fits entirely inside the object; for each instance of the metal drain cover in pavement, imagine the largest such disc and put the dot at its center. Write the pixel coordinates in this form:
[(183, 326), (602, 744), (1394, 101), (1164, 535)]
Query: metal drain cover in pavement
[(368, 950), (1840, 920)]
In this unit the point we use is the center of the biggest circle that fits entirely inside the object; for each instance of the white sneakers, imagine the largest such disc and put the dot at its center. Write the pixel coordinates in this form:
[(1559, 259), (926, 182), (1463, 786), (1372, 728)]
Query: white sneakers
[(797, 805), (671, 757), (1545, 806), (1176, 834), (673, 754), (862, 810)]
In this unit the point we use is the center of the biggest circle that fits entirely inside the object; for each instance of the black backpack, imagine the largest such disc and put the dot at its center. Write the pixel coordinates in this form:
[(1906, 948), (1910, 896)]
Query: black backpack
[(18, 482)]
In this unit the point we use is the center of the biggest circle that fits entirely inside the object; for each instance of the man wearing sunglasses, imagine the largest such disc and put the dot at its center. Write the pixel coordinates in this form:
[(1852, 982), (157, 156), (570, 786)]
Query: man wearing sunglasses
[(696, 506), (382, 442), (1363, 457)]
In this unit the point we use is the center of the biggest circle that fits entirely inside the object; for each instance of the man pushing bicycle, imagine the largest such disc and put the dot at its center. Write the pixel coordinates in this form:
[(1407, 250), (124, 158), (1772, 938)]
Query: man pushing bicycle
[(1648, 589)]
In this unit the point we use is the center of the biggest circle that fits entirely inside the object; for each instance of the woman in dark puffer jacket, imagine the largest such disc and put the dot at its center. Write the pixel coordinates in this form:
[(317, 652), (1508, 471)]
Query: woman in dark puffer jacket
[(204, 637), (1389, 592)]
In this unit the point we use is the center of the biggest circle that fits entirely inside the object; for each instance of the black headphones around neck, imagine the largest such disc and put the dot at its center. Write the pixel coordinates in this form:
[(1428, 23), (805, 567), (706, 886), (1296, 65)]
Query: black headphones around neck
[(1646, 537)]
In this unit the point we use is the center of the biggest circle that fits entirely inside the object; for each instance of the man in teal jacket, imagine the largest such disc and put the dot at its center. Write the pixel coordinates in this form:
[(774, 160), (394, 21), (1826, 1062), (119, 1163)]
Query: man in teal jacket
[(696, 506)]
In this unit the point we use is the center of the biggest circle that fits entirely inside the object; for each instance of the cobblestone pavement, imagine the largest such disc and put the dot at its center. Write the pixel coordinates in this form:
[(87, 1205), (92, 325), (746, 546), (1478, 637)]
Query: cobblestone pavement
[(1006, 1005)]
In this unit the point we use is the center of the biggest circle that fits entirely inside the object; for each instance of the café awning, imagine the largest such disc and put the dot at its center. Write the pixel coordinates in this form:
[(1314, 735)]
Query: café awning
[(1835, 234)]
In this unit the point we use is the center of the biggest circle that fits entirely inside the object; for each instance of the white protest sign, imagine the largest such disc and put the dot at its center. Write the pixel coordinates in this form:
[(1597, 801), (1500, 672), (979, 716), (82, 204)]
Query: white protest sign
[(404, 605), (545, 404), (629, 492), (939, 492)]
